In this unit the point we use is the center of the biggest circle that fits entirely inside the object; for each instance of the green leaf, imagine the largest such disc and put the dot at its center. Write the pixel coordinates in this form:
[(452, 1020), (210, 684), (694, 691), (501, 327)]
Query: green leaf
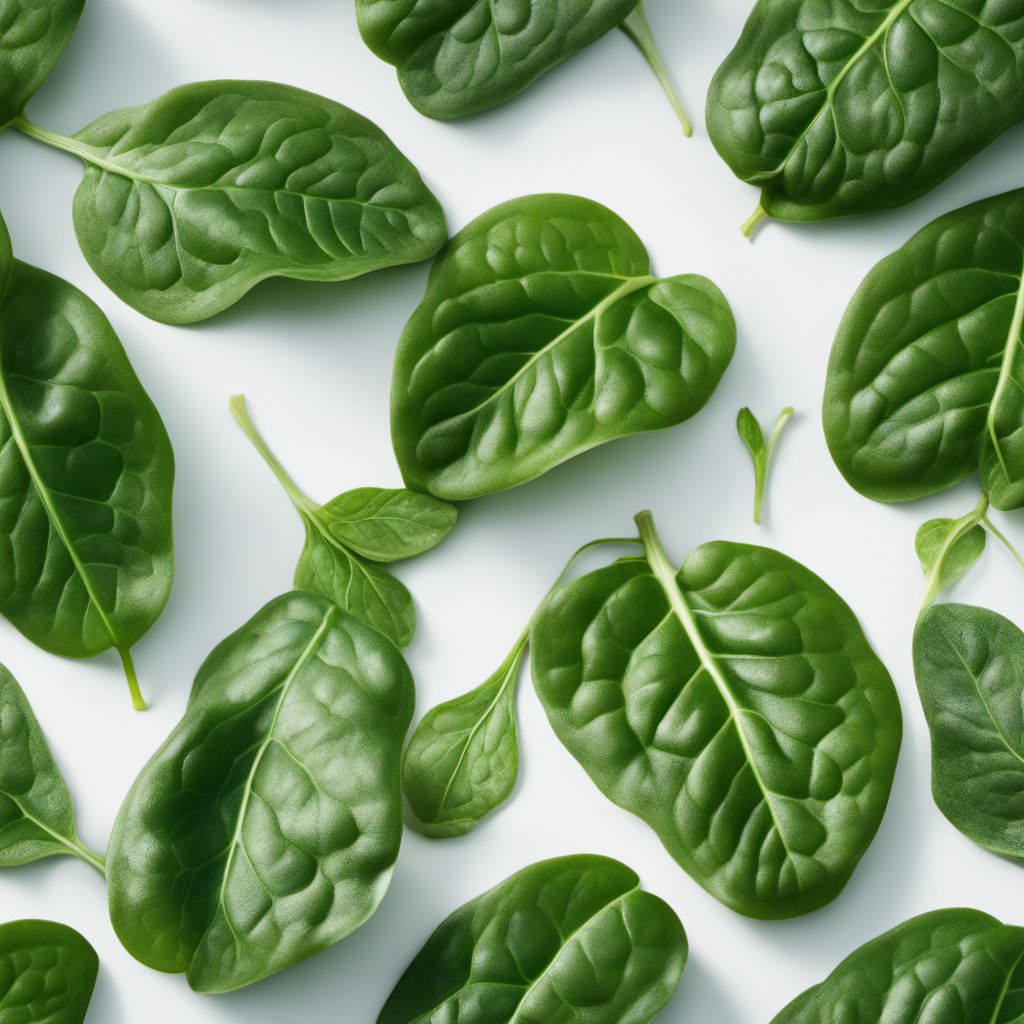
[(266, 827), (6, 258), (573, 940), (33, 37), (751, 434), (735, 706), (387, 525), (949, 966), (542, 334), (947, 551), (840, 107), (37, 818), (47, 973), (86, 470), (924, 380), (463, 759), (191, 200), (969, 664)]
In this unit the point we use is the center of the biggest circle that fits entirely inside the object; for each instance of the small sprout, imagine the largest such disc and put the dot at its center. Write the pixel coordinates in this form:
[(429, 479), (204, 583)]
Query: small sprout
[(761, 451)]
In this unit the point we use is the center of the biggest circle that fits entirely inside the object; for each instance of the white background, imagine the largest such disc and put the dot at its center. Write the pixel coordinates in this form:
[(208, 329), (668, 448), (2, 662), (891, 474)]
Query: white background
[(315, 361)]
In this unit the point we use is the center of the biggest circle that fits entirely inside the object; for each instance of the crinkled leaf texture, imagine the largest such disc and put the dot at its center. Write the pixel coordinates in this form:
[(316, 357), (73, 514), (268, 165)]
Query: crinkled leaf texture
[(190, 200), (839, 107), (946, 967), (542, 334), (47, 973), (457, 57), (266, 827), (925, 380), (758, 739), (969, 664), (33, 37), (573, 940), (86, 471)]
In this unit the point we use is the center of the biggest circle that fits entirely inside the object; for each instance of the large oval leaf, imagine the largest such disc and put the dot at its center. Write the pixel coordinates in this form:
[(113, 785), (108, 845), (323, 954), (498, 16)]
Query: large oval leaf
[(543, 334), (573, 940), (969, 664), (33, 36), (843, 107), (462, 56), (736, 707), (189, 201), (924, 382), (86, 470), (946, 967), (47, 973), (266, 827)]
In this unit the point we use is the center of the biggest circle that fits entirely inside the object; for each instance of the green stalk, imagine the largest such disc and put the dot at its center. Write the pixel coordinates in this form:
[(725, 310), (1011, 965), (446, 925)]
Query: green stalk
[(79, 849), (54, 139), (138, 701), (999, 535), (747, 227), (638, 28)]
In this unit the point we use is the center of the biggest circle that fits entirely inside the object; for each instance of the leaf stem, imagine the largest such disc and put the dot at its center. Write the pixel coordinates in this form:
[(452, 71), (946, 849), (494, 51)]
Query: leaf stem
[(138, 701), (54, 139), (240, 410), (999, 535), (89, 856), (747, 227), (638, 28), (962, 526)]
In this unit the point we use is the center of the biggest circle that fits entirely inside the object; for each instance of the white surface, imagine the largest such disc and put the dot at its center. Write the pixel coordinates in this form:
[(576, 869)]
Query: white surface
[(315, 362)]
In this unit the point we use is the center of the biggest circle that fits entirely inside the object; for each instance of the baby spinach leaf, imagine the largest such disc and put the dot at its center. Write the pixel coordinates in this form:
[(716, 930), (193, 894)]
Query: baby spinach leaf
[(761, 451), (969, 664), (463, 759), (191, 200), (266, 827), (463, 56), (37, 818), (543, 334), (947, 549), (86, 470), (950, 966), (924, 382), (33, 37), (735, 706), (367, 523), (573, 939), (842, 107), (47, 973)]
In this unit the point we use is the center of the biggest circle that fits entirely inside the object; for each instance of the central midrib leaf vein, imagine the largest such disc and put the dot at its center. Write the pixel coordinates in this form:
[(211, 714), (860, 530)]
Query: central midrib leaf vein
[(1014, 344)]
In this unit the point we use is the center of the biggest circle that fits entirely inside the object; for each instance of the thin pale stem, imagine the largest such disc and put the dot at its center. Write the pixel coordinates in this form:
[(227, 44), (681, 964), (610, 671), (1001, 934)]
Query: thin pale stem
[(1000, 536), (138, 701), (54, 139), (638, 28), (747, 227), (89, 856)]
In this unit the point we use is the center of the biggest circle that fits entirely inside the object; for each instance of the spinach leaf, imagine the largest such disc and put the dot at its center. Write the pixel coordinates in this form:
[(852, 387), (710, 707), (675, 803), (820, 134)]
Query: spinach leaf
[(459, 57), (842, 107), (924, 381), (266, 827), (735, 706), (33, 37), (969, 664), (761, 450), (947, 549), (37, 818), (191, 200), (573, 939), (543, 334), (367, 523), (951, 966), (86, 473), (47, 973)]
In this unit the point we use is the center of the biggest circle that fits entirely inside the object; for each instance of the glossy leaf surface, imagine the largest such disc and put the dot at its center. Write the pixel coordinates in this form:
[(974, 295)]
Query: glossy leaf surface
[(266, 827), (33, 36), (843, 107), (573, 940), (946, 967), (192, 199), (543, 334), (736, 707), (47, 973), (969, 664), (924, 382), (86, 471), (456, 57)]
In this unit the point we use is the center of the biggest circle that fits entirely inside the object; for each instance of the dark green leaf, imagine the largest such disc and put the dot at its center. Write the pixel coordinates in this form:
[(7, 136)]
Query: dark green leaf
[(946, 967), (924, 382), (838, 107), (735, 706), (266, 827), (47, 973), (573, 940), (543, 334), (947, 550), (6, 258)]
